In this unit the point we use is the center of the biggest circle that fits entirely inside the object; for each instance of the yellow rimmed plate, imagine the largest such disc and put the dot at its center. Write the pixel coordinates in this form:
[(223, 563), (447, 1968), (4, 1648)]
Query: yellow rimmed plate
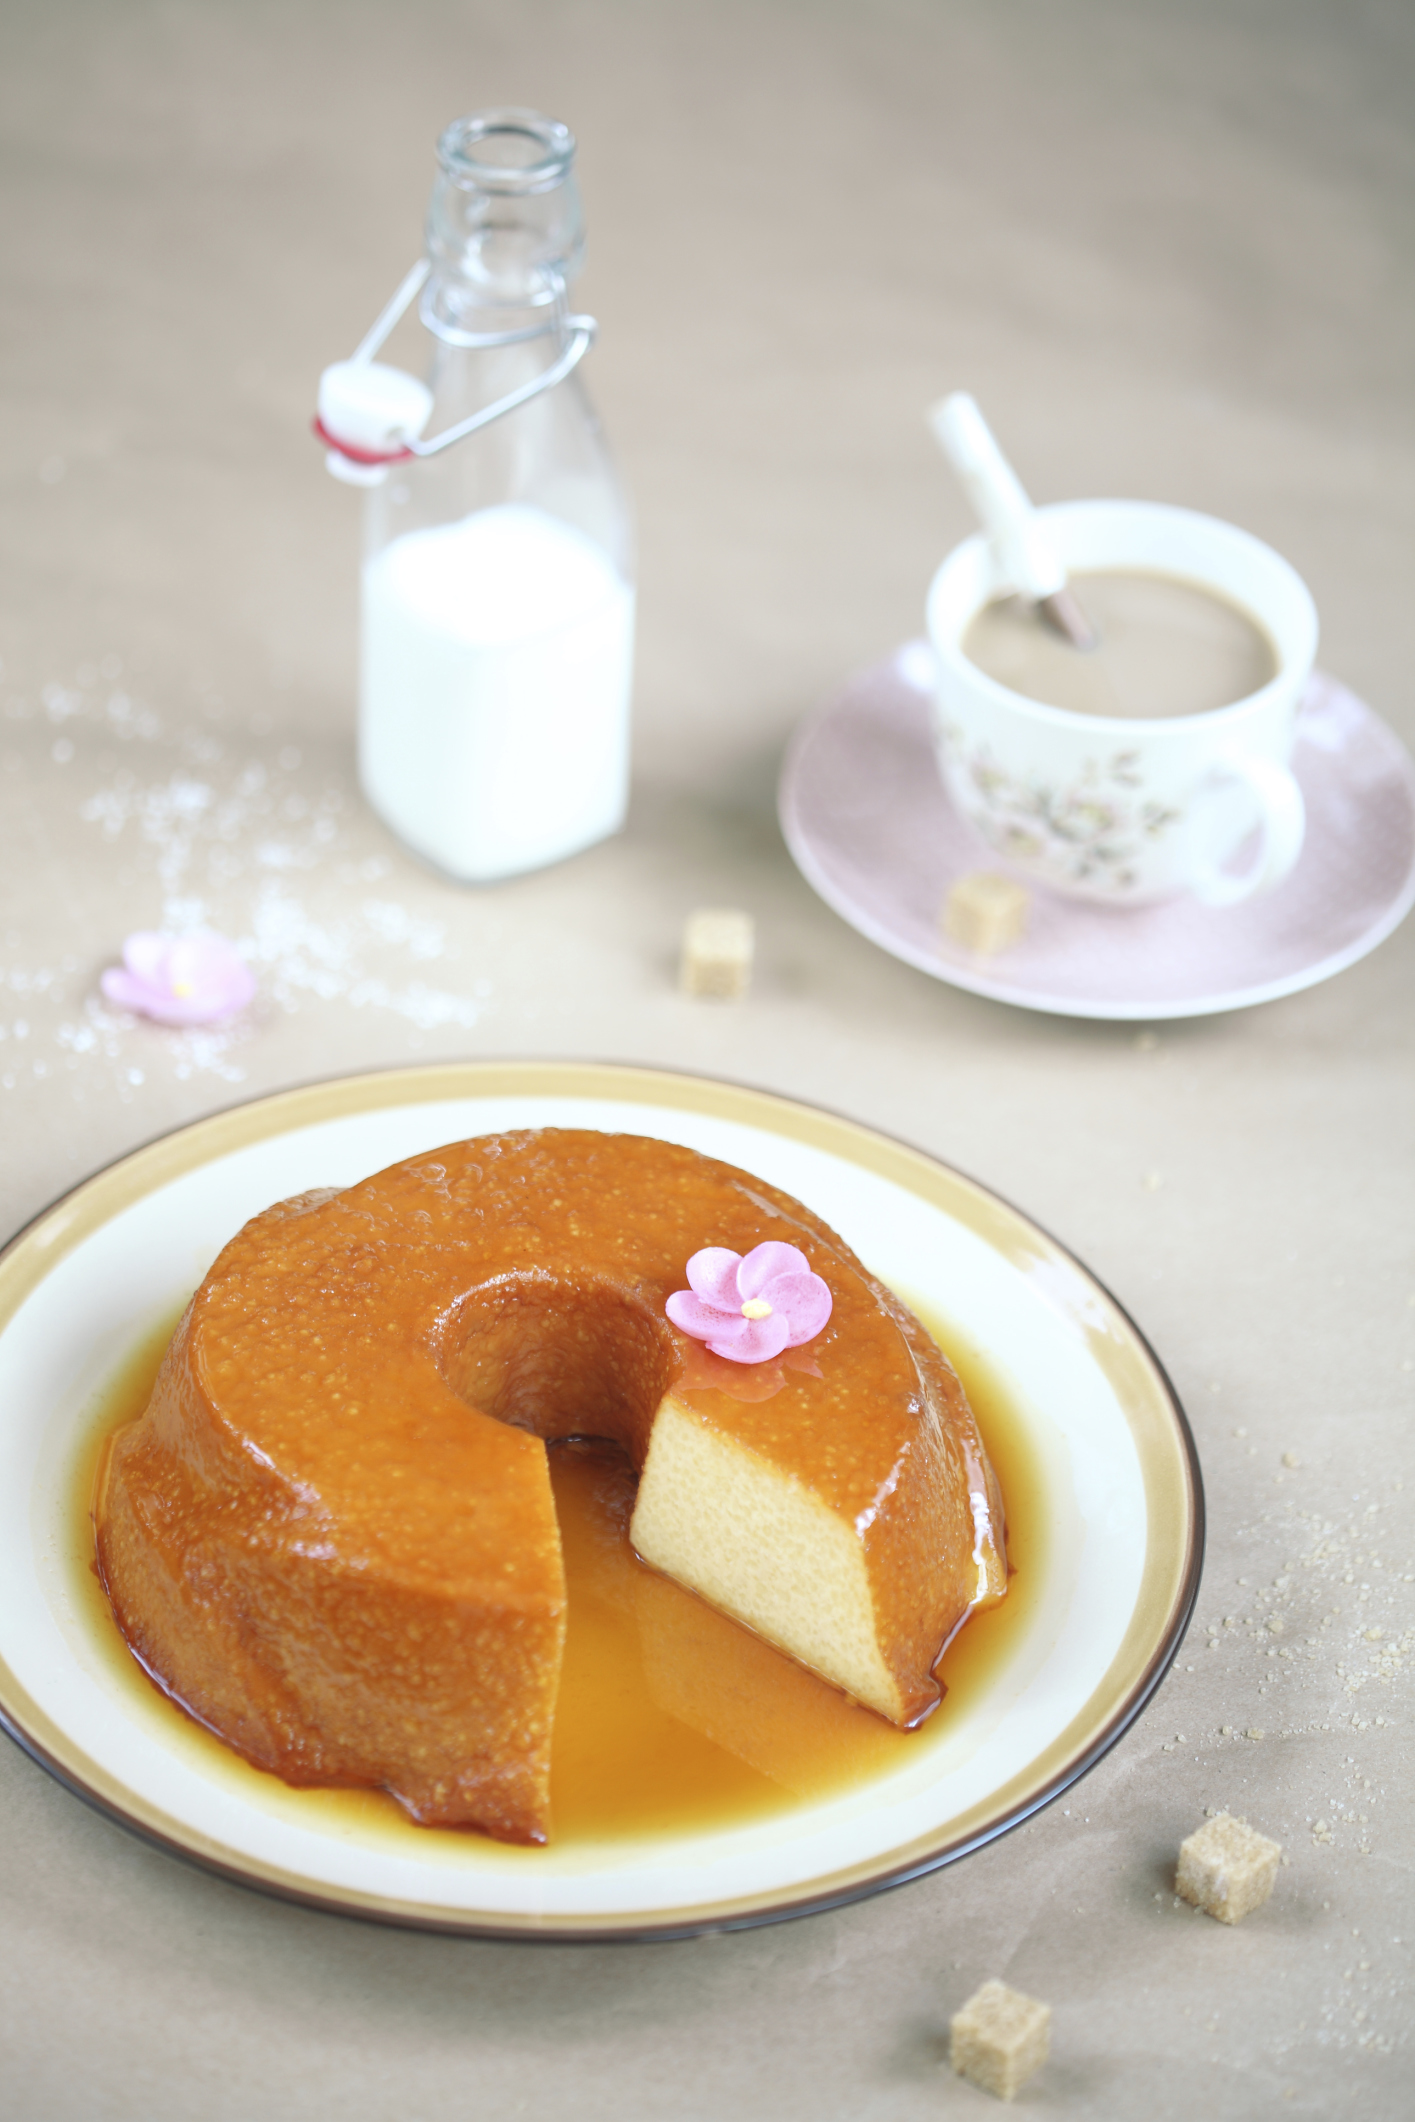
[(1121, 1554)]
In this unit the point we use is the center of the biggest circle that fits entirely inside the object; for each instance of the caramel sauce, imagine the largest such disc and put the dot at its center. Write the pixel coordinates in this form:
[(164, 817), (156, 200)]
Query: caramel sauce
[(671, 1719)]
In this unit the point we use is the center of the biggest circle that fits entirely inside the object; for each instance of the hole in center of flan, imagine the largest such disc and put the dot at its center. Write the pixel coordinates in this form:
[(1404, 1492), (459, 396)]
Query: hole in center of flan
[(559, 1359)]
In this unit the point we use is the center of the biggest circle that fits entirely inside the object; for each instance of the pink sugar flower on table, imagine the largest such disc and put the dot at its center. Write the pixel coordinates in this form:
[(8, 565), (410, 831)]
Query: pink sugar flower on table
[(750, 1308), (180, 979)]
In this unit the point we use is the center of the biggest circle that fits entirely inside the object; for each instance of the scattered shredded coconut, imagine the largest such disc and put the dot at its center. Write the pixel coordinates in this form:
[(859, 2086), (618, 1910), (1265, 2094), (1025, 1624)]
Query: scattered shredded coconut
[(211, 829)]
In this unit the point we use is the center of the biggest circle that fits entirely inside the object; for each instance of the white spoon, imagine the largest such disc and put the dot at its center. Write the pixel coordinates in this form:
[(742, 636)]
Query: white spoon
[(1019, 542)]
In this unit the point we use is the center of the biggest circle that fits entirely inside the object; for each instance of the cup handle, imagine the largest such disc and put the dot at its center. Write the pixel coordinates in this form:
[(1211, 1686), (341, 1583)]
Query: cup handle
[(1281, 821)]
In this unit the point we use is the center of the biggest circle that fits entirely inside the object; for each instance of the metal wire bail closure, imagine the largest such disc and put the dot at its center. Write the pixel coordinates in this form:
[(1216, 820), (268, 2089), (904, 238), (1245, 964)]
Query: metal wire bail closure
[(371, 416)]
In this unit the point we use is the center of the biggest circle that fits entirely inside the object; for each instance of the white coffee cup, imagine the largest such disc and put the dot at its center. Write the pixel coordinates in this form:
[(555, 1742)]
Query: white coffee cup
[(1114, 809)]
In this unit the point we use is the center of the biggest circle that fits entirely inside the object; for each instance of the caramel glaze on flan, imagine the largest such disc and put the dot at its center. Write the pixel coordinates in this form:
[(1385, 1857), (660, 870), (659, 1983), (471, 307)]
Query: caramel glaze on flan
[(331, 1536)]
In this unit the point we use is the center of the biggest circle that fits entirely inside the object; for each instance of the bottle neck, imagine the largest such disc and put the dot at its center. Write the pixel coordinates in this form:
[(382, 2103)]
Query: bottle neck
[(504, 232), (457, 312)]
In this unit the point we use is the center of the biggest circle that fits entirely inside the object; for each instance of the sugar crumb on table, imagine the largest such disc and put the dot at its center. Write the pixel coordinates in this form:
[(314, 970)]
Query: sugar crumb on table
[(1227, 1868), (718, 947), (999, 2039)]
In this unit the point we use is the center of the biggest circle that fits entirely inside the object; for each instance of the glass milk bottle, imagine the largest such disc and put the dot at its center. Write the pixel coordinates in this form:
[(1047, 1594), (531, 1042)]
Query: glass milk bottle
[(498, 601)]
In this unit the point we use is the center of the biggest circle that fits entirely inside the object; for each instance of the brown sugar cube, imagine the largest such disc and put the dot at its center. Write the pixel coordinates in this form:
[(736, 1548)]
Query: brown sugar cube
[(717, 954), (1227, 1868), (999, 2039), (985, 911)]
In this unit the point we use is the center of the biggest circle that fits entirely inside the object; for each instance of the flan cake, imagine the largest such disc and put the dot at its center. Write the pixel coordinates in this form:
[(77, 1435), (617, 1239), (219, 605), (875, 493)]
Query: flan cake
[(331, 1535)]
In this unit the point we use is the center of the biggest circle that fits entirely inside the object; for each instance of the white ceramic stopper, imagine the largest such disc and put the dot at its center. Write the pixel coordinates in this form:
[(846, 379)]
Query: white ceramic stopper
[(371, 407)]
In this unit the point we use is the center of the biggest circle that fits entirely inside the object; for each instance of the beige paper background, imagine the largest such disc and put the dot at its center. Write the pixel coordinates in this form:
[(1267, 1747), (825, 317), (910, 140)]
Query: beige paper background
[(1169, 248)]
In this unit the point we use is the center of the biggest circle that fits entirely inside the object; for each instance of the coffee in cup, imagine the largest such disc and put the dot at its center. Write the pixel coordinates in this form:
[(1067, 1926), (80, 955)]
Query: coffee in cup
[(1146, 766), (1163, 647)]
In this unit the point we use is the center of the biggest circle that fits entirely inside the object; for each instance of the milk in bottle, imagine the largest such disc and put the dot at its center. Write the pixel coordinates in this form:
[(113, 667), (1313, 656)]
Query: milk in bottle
[(497, 595)]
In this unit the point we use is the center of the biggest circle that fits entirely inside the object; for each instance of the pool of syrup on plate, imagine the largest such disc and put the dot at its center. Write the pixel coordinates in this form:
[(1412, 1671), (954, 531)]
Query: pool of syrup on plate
[(671, 1719)]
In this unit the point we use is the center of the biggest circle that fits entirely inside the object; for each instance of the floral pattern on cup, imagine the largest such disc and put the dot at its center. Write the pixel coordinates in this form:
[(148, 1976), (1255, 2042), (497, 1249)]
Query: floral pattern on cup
[(1090, 831)]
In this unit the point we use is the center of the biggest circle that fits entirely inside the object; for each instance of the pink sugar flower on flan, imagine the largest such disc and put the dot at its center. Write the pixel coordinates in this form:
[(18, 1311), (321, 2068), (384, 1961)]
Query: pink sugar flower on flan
[(749, 1308), (180, 979)]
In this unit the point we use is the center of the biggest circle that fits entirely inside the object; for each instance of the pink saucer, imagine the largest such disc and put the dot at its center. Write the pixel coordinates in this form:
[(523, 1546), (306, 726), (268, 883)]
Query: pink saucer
[(870, 827)]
